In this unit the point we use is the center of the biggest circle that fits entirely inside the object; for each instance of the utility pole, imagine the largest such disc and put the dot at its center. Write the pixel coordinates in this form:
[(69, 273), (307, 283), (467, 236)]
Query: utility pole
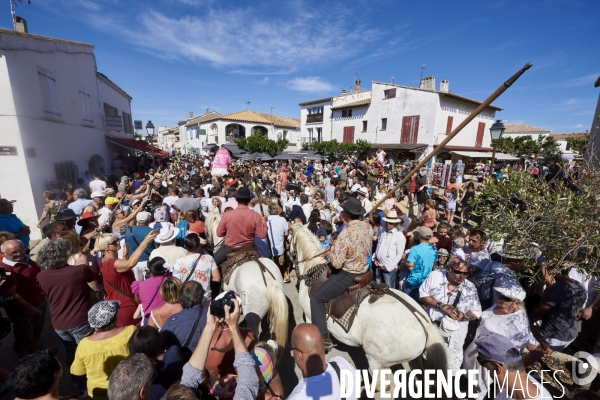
[(423, 68), (12, 13), (273, 122)]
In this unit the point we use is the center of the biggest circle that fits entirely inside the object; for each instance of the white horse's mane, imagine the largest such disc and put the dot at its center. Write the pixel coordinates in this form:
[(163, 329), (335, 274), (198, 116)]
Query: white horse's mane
[(211, 219), (308, 247)]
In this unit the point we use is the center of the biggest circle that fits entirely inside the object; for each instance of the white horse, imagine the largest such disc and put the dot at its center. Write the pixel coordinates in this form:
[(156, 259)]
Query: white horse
[(212, 219), (388, 332), (257, 299)]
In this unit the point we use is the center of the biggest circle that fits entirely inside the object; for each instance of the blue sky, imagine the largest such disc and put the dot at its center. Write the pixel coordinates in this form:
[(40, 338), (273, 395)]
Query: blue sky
[(176, 56)]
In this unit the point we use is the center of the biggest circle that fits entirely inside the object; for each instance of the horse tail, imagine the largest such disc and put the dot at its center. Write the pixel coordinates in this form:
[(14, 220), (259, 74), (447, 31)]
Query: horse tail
[(278, 315), (435, 351)]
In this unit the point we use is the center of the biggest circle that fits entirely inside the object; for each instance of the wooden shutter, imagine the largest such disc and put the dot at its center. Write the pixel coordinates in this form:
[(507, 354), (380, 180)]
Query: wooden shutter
[(410, 129), (344, 113), (480, 131), (391, 93), (449, 125), (348, 134)]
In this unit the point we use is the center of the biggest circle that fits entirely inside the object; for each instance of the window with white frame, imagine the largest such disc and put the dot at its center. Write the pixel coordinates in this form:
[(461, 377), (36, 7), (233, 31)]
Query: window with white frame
[(48, 90)]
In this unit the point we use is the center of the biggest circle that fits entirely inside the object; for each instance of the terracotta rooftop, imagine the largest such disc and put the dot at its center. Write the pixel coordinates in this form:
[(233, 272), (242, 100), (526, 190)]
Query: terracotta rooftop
[(523, 128), (279, 120), (363, 102), (203, 118), (565, 136)]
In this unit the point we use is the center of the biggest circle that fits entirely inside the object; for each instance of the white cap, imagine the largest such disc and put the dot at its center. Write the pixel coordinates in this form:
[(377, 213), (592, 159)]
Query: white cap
[(143, 216), (98, 194)]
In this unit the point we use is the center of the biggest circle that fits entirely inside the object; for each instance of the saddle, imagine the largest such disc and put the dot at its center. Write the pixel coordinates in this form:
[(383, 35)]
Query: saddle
[(344, 307), (239, 255)]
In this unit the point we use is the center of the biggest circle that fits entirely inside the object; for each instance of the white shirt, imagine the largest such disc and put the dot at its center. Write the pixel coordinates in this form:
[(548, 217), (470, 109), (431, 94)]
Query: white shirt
[(366, 203), (436, 286), (278, 227), (104, 214), (170, 200), (354, 188), (590, 284), (97, 186), (307, 208), (390, 248), (325, 386), (207, 189)]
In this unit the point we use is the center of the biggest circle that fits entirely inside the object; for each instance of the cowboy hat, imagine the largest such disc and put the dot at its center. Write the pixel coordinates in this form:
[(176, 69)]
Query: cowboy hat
[(353, 206), (65, 215), (86, 216), (243, 193), (167, 234), (512, 289), (392, 217), (402, 207)]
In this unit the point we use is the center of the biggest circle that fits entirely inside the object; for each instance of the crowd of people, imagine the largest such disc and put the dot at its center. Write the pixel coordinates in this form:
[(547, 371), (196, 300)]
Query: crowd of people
[(128, 270)]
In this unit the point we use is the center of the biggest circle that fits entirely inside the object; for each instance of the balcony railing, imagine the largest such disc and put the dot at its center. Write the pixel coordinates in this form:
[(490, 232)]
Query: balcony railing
[(314, 118)]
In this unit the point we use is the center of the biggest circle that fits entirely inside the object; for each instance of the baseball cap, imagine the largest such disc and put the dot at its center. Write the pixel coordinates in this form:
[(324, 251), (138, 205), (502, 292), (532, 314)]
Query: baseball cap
[(424, 232), (98, 194), (124, 178), (111, 200), (143, 216)]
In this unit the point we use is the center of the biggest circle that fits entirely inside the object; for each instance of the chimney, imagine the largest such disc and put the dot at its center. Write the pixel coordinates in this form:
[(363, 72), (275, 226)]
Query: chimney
[(343, 91), (444, 86), (428, 83), (357, 85), (20, 25), (191, 114)]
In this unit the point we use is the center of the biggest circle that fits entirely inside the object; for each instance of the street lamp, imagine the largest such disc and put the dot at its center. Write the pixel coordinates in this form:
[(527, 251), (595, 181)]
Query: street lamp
[(150, 132), (496, 131)]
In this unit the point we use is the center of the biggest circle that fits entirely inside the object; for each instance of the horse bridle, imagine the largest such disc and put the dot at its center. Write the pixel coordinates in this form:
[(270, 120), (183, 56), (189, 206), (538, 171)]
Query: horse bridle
[(294, 255)]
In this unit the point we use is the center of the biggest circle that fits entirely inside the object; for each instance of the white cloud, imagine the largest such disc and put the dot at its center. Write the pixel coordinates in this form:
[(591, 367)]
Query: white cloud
[(286, 42), (311, 84), (264, 81), (90, 5)]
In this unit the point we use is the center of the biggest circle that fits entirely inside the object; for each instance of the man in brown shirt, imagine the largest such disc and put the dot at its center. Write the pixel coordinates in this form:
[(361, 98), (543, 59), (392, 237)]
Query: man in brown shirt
[(238, 226), (350, 257)]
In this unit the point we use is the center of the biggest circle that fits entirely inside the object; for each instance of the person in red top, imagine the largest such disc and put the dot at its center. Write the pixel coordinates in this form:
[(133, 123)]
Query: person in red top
[(28, 311), (117, 275), (238, 226)]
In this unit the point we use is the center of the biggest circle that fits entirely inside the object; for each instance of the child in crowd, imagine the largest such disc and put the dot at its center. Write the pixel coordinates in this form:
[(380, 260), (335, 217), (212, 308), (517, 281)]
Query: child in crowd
[(323, 238)]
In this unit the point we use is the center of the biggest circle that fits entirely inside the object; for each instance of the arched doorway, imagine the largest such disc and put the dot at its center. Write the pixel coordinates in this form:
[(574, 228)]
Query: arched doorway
[(259, 131), (234, 131), (96, 163)]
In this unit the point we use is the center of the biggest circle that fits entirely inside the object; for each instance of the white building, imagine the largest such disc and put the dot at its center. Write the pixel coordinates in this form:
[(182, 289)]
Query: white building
[(405, 120), (519, 129), (56, 117), (214, 128)]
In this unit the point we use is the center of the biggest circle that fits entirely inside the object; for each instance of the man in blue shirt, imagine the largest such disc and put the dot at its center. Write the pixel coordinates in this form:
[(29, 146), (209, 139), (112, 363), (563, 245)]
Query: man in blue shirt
[(184, 328), (134, 237), (78, 205), (420, 262), (11, 223)]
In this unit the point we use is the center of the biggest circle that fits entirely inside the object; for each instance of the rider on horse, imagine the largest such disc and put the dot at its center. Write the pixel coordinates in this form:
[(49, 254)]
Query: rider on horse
[(238, 226), (350, 258)]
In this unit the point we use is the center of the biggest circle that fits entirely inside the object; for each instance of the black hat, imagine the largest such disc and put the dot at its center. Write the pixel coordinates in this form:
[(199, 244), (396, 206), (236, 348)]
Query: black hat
[(65, 215), (353, 206), (243, 193)]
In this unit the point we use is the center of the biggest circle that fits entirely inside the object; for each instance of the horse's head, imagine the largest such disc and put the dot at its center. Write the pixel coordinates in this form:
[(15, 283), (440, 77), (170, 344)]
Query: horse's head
[(211, 221), (305, 248)]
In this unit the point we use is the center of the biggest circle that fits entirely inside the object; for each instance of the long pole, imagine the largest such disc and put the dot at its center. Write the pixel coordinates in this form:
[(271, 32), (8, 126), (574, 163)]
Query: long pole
[(152, 147), (471, 116), (493, 155), (12, 13)]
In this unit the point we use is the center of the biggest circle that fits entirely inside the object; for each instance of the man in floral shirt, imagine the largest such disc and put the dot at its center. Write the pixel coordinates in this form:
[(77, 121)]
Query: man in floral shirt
[(196, 266), (350, 258)]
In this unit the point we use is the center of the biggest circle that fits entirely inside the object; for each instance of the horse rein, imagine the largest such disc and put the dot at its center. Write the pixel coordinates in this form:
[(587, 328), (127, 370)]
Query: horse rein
[(297, 263)]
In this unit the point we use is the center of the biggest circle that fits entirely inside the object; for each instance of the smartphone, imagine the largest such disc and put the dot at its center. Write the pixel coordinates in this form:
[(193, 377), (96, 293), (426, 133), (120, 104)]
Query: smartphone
[(155, 231)]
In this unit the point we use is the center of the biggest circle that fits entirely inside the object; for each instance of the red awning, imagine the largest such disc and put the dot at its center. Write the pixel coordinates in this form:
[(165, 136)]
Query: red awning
[(140, 145)]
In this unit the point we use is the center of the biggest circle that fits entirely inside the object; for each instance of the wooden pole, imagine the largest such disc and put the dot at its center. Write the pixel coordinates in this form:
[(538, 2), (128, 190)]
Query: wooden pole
[(257, 190), (472, 116)]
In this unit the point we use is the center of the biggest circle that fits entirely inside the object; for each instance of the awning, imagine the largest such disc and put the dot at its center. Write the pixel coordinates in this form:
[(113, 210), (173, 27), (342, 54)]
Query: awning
[(484, 154), (400, 146), (138, 144), (235, 151)]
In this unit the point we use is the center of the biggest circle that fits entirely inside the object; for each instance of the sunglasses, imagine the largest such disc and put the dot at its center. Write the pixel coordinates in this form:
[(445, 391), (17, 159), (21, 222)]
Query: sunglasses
[(503, 297), (114, 243), (465, 273)]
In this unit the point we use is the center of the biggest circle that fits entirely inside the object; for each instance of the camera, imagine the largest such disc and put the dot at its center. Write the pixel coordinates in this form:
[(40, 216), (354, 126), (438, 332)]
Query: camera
[(217, 306)]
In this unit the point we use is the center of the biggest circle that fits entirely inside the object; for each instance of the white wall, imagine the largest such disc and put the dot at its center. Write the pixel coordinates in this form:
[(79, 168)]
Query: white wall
[(24, 123), (460, 110), (326, 125)]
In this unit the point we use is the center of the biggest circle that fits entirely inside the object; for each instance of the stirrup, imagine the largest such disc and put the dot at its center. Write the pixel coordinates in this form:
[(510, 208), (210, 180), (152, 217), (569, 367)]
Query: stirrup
[(328, 344)]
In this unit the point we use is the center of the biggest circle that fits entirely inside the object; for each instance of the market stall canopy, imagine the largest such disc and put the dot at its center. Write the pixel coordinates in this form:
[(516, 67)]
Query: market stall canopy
[(484, 154), (262, 156), (286, 157), (235, 151), (308, 154), (138, 144)]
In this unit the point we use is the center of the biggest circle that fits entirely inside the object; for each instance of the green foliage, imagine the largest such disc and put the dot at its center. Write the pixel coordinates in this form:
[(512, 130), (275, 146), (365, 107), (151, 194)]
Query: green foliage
[(578, 145), (262, 144), (335, 148), (561, 216), (526, 146)]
